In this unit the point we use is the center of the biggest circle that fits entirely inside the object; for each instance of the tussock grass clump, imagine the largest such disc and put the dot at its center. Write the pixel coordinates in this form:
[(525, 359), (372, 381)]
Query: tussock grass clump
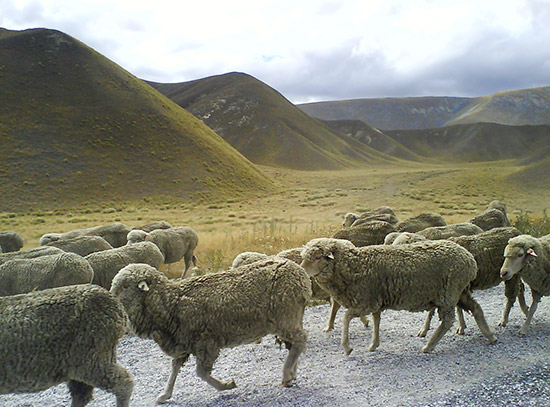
[(532, 226)]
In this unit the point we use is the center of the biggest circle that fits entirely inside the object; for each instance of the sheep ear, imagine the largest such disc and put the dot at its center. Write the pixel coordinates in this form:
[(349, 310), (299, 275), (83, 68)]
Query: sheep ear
[(330, 256), (531, 252), (142, 285)]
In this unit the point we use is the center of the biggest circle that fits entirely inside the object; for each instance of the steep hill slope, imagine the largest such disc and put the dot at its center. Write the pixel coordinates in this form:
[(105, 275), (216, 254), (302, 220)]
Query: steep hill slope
[(264, 126), (75, 127), (514, 108), (476, 142)]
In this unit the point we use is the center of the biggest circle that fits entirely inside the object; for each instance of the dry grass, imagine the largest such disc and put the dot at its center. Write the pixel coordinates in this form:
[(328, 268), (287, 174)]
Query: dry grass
[(311, 205)]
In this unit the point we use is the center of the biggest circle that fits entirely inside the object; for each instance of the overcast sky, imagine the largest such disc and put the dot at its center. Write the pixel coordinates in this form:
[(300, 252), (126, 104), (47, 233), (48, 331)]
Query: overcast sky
[(313, 50)]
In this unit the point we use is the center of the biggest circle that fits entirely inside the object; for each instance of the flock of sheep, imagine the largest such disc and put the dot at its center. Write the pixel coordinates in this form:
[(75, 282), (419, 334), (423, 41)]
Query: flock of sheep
[(65, 305)]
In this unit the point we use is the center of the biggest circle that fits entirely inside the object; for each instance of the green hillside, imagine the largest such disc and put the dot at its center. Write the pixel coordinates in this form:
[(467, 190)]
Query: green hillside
[(265, 127), (75, 127)]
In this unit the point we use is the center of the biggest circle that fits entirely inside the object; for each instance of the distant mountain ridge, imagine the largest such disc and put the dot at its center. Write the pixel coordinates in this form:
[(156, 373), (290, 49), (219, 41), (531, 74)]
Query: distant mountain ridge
[(77, 128), (265, 127), (514, 107)]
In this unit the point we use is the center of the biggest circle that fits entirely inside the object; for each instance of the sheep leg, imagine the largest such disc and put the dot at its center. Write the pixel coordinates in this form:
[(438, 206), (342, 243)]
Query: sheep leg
[(375, 331), (335, 306), (422, 333), (81, 393), (468, 303), (205, 362), (521, 298), (534, 305), (348, 316), (177, 363), (298, 345), (364, 320), (188, 259), (108, 376), (513, 288), (461, 322), (447, 318)]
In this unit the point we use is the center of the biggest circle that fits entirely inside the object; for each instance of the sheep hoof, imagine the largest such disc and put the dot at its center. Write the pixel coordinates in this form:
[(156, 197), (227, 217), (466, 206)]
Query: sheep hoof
[(229, 385), (421, 334), (426, 349), (460, 331), (328, 329), (492, 340), (503, 323), (163, 398), (348, 351), (288, 383)]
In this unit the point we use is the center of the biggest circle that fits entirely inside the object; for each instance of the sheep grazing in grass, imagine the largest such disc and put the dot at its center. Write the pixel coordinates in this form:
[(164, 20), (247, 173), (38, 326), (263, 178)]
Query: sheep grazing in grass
[(30, 253), (174, 243), (453, 230), (529, 257), (420, 222), (201, 315), (109, 262), (65, 334), (487, 249), (383, 213), (149, 227), (414, 277), (365, 234), (403, 238), (114, 233), (20, 276), (10, 242), (82, 245), (494, 216)]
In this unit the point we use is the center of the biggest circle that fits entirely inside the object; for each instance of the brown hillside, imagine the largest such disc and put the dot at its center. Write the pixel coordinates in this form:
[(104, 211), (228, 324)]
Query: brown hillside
[(75, 127), (265, 127)]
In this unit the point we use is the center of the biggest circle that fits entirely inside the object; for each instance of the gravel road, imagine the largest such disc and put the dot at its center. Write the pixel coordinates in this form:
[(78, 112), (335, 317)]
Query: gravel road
[(462, 371)]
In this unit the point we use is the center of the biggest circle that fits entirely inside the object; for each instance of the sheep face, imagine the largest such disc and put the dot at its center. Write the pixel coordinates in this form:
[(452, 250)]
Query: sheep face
[(349, 218), (316, 261), (136, 236), (318, 254), (516, 256)]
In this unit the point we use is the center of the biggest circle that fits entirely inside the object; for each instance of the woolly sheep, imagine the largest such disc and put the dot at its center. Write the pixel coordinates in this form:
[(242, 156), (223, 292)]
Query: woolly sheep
[(10, 242), (530, 258), (245, 258), (365, 234), (493, 217), (174, 243), (487, 249), (414, 277), (201, 315), (30, 253), (420, 222), (20, 276), (108, 262), (65, 334), (114, 233), (82, 245), (384, 213), (453, 230), (403, 238), (149, 227)]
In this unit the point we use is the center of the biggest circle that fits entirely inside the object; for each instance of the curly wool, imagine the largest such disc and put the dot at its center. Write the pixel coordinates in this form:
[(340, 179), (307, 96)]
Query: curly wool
[(20, 276), (366, 234), (82, 245), (30, 253), (420, 222), (114, 233), (453, 230), (70, 335)]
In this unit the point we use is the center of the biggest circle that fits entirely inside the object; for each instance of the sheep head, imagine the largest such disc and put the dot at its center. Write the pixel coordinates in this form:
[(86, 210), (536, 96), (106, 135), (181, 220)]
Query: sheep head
[(349, 218), (318, 254), (136, 235), (517, 254)]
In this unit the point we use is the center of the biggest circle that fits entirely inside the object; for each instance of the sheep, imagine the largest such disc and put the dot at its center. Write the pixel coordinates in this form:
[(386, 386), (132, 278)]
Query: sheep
[(64, 334), (20, 276), (108, 262), (529, 257), (10, 242), (114, 233), (403, 238), (487, 249), (420, 222), (413, 277), (82, 245), (30, 253), (201, 315), (365, 234), (453, 230), (149, 227), (384, 213), (493, 217), (245, 258), (174, 243)]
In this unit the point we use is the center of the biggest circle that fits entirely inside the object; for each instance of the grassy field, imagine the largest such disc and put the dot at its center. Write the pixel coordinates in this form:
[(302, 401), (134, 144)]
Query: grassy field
[(310, 204)]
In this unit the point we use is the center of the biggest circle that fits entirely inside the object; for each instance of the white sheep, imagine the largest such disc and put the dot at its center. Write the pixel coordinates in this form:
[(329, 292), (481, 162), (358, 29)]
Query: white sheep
[(64, 334), (174, 243), (384, 213), (365, 234), (493, 217), (452, 230), (403, 238), (82, 245), (201, 315), (22, 275), (114, 233), (30, 253), (107, 263), (529, 257), (420, 222), (413, 277)]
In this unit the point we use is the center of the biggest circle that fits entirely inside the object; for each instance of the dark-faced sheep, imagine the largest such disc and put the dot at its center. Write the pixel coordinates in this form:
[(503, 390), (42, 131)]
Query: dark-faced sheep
[(65, 334), (201, 315), (414, 277)]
